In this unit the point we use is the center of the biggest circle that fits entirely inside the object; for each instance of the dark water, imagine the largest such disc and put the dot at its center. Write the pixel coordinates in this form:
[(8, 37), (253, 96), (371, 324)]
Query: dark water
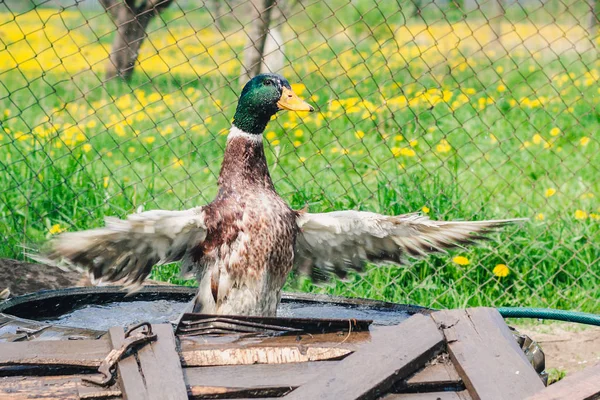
[(102, 317)]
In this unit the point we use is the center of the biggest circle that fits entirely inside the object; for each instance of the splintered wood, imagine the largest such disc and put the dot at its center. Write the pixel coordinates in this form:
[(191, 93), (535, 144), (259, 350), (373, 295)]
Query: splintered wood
[(447, 355)]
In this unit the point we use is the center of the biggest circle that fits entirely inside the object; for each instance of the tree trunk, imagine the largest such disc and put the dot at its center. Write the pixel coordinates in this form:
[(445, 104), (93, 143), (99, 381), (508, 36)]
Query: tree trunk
[(131, 22), (257, 36), (594, 16), (496, 18)]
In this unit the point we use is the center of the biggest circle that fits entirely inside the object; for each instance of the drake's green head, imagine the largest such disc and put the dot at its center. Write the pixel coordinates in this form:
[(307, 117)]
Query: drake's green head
[(261, 98)]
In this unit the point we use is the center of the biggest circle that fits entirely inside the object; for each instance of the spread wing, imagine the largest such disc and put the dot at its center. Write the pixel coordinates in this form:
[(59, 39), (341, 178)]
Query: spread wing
[(340, 241), (128, 249)]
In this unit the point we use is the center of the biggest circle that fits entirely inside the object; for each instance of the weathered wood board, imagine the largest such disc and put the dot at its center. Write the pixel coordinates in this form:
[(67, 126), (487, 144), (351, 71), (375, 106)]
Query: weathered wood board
[(463, 395), (87, 353), (450, 355), (370, 372), (486, 355), (154, 373), (584, 385)]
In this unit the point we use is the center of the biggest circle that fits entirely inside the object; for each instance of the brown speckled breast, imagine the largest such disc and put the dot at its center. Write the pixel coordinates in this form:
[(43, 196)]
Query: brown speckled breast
[(251, 231)]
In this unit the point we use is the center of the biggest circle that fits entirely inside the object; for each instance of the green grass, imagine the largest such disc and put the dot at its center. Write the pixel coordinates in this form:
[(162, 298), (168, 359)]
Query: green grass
[(492, 164)]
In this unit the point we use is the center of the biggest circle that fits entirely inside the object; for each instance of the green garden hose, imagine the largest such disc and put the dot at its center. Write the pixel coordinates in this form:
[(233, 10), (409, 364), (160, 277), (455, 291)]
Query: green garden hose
[(549, 313)]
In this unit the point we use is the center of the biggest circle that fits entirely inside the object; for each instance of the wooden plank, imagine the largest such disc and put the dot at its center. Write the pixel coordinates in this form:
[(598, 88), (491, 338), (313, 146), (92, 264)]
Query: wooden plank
[(261, 355), (161, 366), (486, 355), (441, 376), (257, 380), (90, 353), (263, 379), (87, 353), (129, 377), (463, 395), (393, 354), (39, 386), (584, 385), (50, 387), (209, 392), (206, 351), (260, 375)]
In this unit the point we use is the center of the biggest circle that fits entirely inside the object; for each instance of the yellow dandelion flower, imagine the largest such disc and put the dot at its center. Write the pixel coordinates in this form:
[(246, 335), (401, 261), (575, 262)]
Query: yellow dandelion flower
[(334, 150), (314, 97), (105, 182), (443, 146), (493, 139), (425, 209), (177, 162), (413, 143), (540, 217), (501, 88), (56, 228), (398, 138), (298, 88), (149, 139), (131, 149), (345, 151), (580, 214), (408, 152), (87, 147), (555, 131), (302, 159), (584, 141), (109, 154), (297, 143), (271, 135), (6, 113), (120, 130), (298, 133), (595, 216), (165, 131), (501, 270), (460, 260), (500, 69), (275, 142), (537, 139), (359, 134), (550, 192), (91, 124)]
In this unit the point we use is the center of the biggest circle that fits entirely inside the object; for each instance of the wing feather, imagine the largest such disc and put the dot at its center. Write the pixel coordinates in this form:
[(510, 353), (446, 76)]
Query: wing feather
[(340, 241), (127, 249)]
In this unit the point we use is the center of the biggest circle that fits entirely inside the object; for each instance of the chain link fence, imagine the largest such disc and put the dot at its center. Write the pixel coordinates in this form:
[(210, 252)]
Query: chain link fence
[(461, 110)]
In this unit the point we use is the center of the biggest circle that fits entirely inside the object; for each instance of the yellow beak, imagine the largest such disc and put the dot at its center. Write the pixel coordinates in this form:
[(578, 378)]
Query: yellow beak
[(290, 101)]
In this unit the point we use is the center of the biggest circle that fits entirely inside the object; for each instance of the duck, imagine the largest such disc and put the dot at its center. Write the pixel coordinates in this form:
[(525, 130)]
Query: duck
[(242, 246)]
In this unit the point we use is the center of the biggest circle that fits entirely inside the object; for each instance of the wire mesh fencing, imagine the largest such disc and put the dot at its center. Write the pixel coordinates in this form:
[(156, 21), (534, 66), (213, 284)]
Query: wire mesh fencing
[(459, 110)]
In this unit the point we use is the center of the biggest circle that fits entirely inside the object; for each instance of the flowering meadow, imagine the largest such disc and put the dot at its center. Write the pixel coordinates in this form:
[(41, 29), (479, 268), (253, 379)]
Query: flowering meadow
[(439, 118)]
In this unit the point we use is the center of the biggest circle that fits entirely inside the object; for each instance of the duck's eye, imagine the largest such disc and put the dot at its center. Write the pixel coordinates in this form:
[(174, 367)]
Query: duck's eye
[(269, 82)]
